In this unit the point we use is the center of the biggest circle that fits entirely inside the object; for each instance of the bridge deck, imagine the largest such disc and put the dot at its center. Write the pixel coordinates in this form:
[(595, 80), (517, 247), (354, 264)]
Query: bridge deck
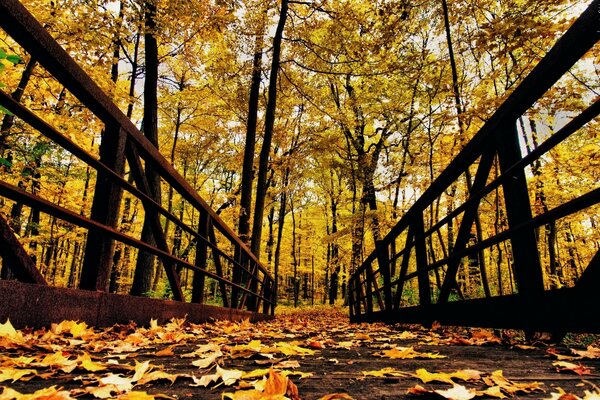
[(348, 351)]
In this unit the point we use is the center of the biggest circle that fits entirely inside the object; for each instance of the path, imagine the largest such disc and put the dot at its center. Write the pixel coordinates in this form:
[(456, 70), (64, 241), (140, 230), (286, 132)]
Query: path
[(321, 350)]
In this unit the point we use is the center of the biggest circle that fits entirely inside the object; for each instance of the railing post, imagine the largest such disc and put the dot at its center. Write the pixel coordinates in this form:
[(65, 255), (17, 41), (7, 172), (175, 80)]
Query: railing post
[(421, 255), (200, 260), (528, 270), (98, 258), (462, 238), (236, 276), (383, 259)]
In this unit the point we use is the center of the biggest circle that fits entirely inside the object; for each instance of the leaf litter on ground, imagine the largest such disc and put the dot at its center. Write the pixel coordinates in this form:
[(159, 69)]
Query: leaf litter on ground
[(103, 363)]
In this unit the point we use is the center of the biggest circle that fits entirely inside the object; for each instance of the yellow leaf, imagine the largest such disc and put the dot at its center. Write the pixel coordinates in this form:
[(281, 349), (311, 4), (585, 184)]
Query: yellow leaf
[(140, 370), (57, 360), (7, 330), (336, 396), (427, 377), (14, 374), (408, 353), (85, 362), (494, 391), (51, 393), (156, 376), (257, 373), (290, 349), (387, 371)]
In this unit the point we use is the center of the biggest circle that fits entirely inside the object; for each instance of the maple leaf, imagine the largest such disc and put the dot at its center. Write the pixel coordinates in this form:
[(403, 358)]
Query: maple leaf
[(291, 349), (166, 352), (58, 360), (156, 376), (229, 377), (408, 353), (427, 377), (51, 393), (336, 396), (591, 353), (10, 335), (208, 360), (387, 371), (493, 391), (13, 374), (140, 370), (497, 379), (458, 392), (562, 366), (85, 361), (116, 383), (288, 364), (276, 387)]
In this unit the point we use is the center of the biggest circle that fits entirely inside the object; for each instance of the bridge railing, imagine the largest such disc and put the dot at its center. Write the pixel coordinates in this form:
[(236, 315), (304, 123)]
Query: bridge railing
[(431, 268), (219, 258)]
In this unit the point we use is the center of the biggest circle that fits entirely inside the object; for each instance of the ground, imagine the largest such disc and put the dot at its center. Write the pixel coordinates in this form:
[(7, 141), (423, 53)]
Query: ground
[(308, 354)]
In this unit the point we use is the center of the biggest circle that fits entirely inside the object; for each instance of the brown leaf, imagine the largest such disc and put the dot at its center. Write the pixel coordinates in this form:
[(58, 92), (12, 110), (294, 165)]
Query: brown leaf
[(565, 366), (336, 396), (408, 353)]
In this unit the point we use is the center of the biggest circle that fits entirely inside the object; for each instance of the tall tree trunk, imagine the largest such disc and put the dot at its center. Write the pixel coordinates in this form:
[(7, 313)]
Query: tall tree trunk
[(280, 223), (249, 148), (265, 151), (142, 280)]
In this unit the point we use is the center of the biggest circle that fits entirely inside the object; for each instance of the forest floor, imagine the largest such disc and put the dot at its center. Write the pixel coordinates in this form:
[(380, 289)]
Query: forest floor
[(307, 354)]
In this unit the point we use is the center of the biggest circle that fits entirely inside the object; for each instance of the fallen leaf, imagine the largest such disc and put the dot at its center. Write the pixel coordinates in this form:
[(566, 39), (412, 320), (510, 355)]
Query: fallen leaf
[(511, 388), (85, 361), (157, 376), (427, 377), (51, 393), (120, 383), (288, 364), (14, 374), (408, 353), (387, 371), (562, 366), (458, 392), (336, 396), (591, 353), (208, 360)]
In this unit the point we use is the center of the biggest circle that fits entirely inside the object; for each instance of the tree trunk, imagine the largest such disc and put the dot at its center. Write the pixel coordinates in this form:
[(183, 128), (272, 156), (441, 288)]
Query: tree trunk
[(265, 151), (248, 163), (142, 280)]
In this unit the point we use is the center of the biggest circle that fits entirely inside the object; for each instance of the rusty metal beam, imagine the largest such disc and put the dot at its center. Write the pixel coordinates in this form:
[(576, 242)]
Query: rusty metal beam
[(30, 305), (15, 257)]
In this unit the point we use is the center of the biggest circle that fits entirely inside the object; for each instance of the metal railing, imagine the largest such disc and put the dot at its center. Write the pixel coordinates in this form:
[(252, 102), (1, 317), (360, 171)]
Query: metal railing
[(237, 275), (408, 279)]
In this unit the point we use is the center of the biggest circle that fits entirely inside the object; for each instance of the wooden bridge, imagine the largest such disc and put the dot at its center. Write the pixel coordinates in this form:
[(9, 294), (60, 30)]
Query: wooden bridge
[(394, 284)]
